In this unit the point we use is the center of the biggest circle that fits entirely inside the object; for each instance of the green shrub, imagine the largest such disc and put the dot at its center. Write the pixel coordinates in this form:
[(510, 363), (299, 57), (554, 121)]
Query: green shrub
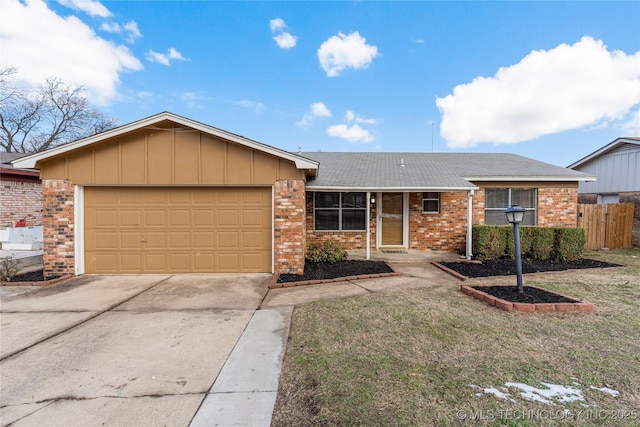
[(489, 241), (9, 267), (527, 234), (569, 243), (542, 243), (325, 251)]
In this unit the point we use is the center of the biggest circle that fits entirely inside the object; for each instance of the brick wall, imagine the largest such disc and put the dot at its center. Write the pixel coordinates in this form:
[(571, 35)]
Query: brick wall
[(557, 207), (20, 200), (348, 239), (289, 226), (444, 231), (58, 227)]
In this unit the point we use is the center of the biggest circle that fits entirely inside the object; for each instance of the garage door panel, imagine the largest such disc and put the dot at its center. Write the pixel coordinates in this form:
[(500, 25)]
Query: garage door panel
[(130, 240), (130, 218), (162, 230), (179, 240), (155, 240), (204, 239), (203, 218), (228, 218)]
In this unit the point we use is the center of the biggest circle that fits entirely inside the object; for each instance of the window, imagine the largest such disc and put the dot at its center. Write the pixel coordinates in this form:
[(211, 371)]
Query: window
[(430, 202), (340, 211), (499, 199)]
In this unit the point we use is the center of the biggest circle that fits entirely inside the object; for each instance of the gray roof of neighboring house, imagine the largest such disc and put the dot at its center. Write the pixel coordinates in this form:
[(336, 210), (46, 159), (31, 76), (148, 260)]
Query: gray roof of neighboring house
[(619, 142), (7, 158), (429, 171)]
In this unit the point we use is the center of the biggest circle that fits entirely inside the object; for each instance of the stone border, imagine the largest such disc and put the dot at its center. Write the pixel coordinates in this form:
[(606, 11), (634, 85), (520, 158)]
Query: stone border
[(275, 285), (450, 271), (40, 283), (526, 307)]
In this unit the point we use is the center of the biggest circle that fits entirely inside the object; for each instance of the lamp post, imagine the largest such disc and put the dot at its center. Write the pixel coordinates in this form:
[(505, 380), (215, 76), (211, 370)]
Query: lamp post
[(515, 215)]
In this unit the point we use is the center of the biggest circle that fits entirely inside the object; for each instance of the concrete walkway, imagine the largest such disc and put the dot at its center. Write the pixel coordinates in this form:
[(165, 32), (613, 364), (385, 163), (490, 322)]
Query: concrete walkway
[(244, 390)]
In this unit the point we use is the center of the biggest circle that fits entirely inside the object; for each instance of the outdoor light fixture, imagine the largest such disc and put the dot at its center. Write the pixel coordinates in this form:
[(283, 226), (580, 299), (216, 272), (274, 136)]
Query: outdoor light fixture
[(515, 215), (373, 199)]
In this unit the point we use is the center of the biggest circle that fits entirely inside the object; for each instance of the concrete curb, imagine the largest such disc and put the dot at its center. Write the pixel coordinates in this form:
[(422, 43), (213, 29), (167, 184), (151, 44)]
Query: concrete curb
[(246, 389), (41, 283)]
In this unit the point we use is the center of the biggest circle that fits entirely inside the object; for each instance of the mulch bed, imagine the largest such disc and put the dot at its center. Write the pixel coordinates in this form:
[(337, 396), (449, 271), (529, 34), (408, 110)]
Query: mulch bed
[(325, 270), (33, 276), (530, 295), (507, 267)]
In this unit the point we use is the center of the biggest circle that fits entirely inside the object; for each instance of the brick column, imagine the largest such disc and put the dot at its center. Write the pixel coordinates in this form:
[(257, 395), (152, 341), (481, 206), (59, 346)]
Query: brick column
[(289, 229), (58, 226)]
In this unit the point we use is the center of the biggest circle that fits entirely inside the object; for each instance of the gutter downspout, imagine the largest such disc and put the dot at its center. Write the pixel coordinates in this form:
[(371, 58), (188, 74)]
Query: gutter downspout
[(469, 223), (368, 238)]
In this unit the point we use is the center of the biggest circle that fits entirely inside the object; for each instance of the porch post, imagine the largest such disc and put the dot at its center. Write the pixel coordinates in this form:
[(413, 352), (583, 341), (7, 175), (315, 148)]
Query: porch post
[(368, 237), (469, 223)]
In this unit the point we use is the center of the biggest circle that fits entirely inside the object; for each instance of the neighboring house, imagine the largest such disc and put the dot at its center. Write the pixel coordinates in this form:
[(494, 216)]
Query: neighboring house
[(20, 195), (617, 166), (169, 194)]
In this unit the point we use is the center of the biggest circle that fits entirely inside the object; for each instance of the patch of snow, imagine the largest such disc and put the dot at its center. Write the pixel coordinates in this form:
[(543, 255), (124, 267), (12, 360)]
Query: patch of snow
[(493, 391), (552, 393), (605, 389)]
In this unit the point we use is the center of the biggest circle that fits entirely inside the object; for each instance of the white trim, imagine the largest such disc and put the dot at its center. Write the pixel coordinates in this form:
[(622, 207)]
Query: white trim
[(273, 237), (528, 179), (368, 227), (301, 162), (405, 220), (78, 228), (390, 189), (469, 224), (610, 146)]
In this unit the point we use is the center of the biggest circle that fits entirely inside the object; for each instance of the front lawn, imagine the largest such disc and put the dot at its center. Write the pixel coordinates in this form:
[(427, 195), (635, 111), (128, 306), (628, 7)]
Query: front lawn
[(434, 356)]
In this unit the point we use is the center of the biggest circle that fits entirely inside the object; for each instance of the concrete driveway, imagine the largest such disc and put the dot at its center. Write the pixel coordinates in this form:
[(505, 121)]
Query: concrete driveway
[(120, 350)]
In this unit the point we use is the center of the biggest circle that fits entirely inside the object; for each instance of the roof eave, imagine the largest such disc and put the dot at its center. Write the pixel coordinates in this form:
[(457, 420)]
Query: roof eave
[(383, 189), (32, 160), (599, 152), (530, 178)]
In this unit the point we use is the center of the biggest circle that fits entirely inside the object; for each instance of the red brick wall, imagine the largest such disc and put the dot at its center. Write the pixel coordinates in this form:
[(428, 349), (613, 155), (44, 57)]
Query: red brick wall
[(348, 239), (20, 200), (58, 226), (557, 207), (444, 231), (289, 226)]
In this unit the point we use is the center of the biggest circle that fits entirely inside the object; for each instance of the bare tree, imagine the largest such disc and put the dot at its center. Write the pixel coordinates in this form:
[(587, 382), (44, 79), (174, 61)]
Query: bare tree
[(52, 115)]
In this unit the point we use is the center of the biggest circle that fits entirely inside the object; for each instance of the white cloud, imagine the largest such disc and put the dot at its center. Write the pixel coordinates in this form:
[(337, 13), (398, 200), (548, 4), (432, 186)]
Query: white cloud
[(351, 133), (350, 116), (632, 126), (277, 24), (345, 51), (40, 43), (285, 40), (567, 87), (165, 58), (131, 28), (317, 109), (92, 7), (257, 107)]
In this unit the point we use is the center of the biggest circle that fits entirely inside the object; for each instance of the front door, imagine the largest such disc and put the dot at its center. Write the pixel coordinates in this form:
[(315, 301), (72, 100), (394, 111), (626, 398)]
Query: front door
[(392, 219)]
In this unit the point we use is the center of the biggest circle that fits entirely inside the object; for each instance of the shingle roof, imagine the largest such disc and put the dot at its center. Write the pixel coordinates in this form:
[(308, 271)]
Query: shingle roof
[(429, 171)]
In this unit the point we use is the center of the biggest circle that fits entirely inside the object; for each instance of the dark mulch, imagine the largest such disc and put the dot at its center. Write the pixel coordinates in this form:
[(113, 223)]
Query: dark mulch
[(34, 276), (507, 267), (325, 270), (529, 295)]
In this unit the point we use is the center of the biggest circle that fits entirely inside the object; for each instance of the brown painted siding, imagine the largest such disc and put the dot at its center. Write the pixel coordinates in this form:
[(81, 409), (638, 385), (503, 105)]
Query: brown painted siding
[(169, 156)]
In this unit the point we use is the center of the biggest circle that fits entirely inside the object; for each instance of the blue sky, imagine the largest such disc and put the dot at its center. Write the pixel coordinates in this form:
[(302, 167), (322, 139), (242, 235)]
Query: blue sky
[(549, 80)]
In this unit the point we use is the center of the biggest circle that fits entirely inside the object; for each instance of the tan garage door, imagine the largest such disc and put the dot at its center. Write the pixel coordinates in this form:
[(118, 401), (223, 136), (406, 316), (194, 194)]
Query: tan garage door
[(177, 230)]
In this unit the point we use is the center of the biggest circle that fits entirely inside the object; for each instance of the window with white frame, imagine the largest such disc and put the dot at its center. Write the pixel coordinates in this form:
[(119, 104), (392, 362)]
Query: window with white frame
[(340, 211), (499, 199), (430, 202)]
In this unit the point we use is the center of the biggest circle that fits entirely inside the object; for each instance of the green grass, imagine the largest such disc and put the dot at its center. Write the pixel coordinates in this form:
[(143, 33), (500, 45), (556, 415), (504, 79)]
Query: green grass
[(411, 357)]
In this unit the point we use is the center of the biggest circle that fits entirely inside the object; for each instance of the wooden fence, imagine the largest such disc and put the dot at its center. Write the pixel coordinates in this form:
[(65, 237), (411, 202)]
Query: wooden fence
[(607, 226)]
